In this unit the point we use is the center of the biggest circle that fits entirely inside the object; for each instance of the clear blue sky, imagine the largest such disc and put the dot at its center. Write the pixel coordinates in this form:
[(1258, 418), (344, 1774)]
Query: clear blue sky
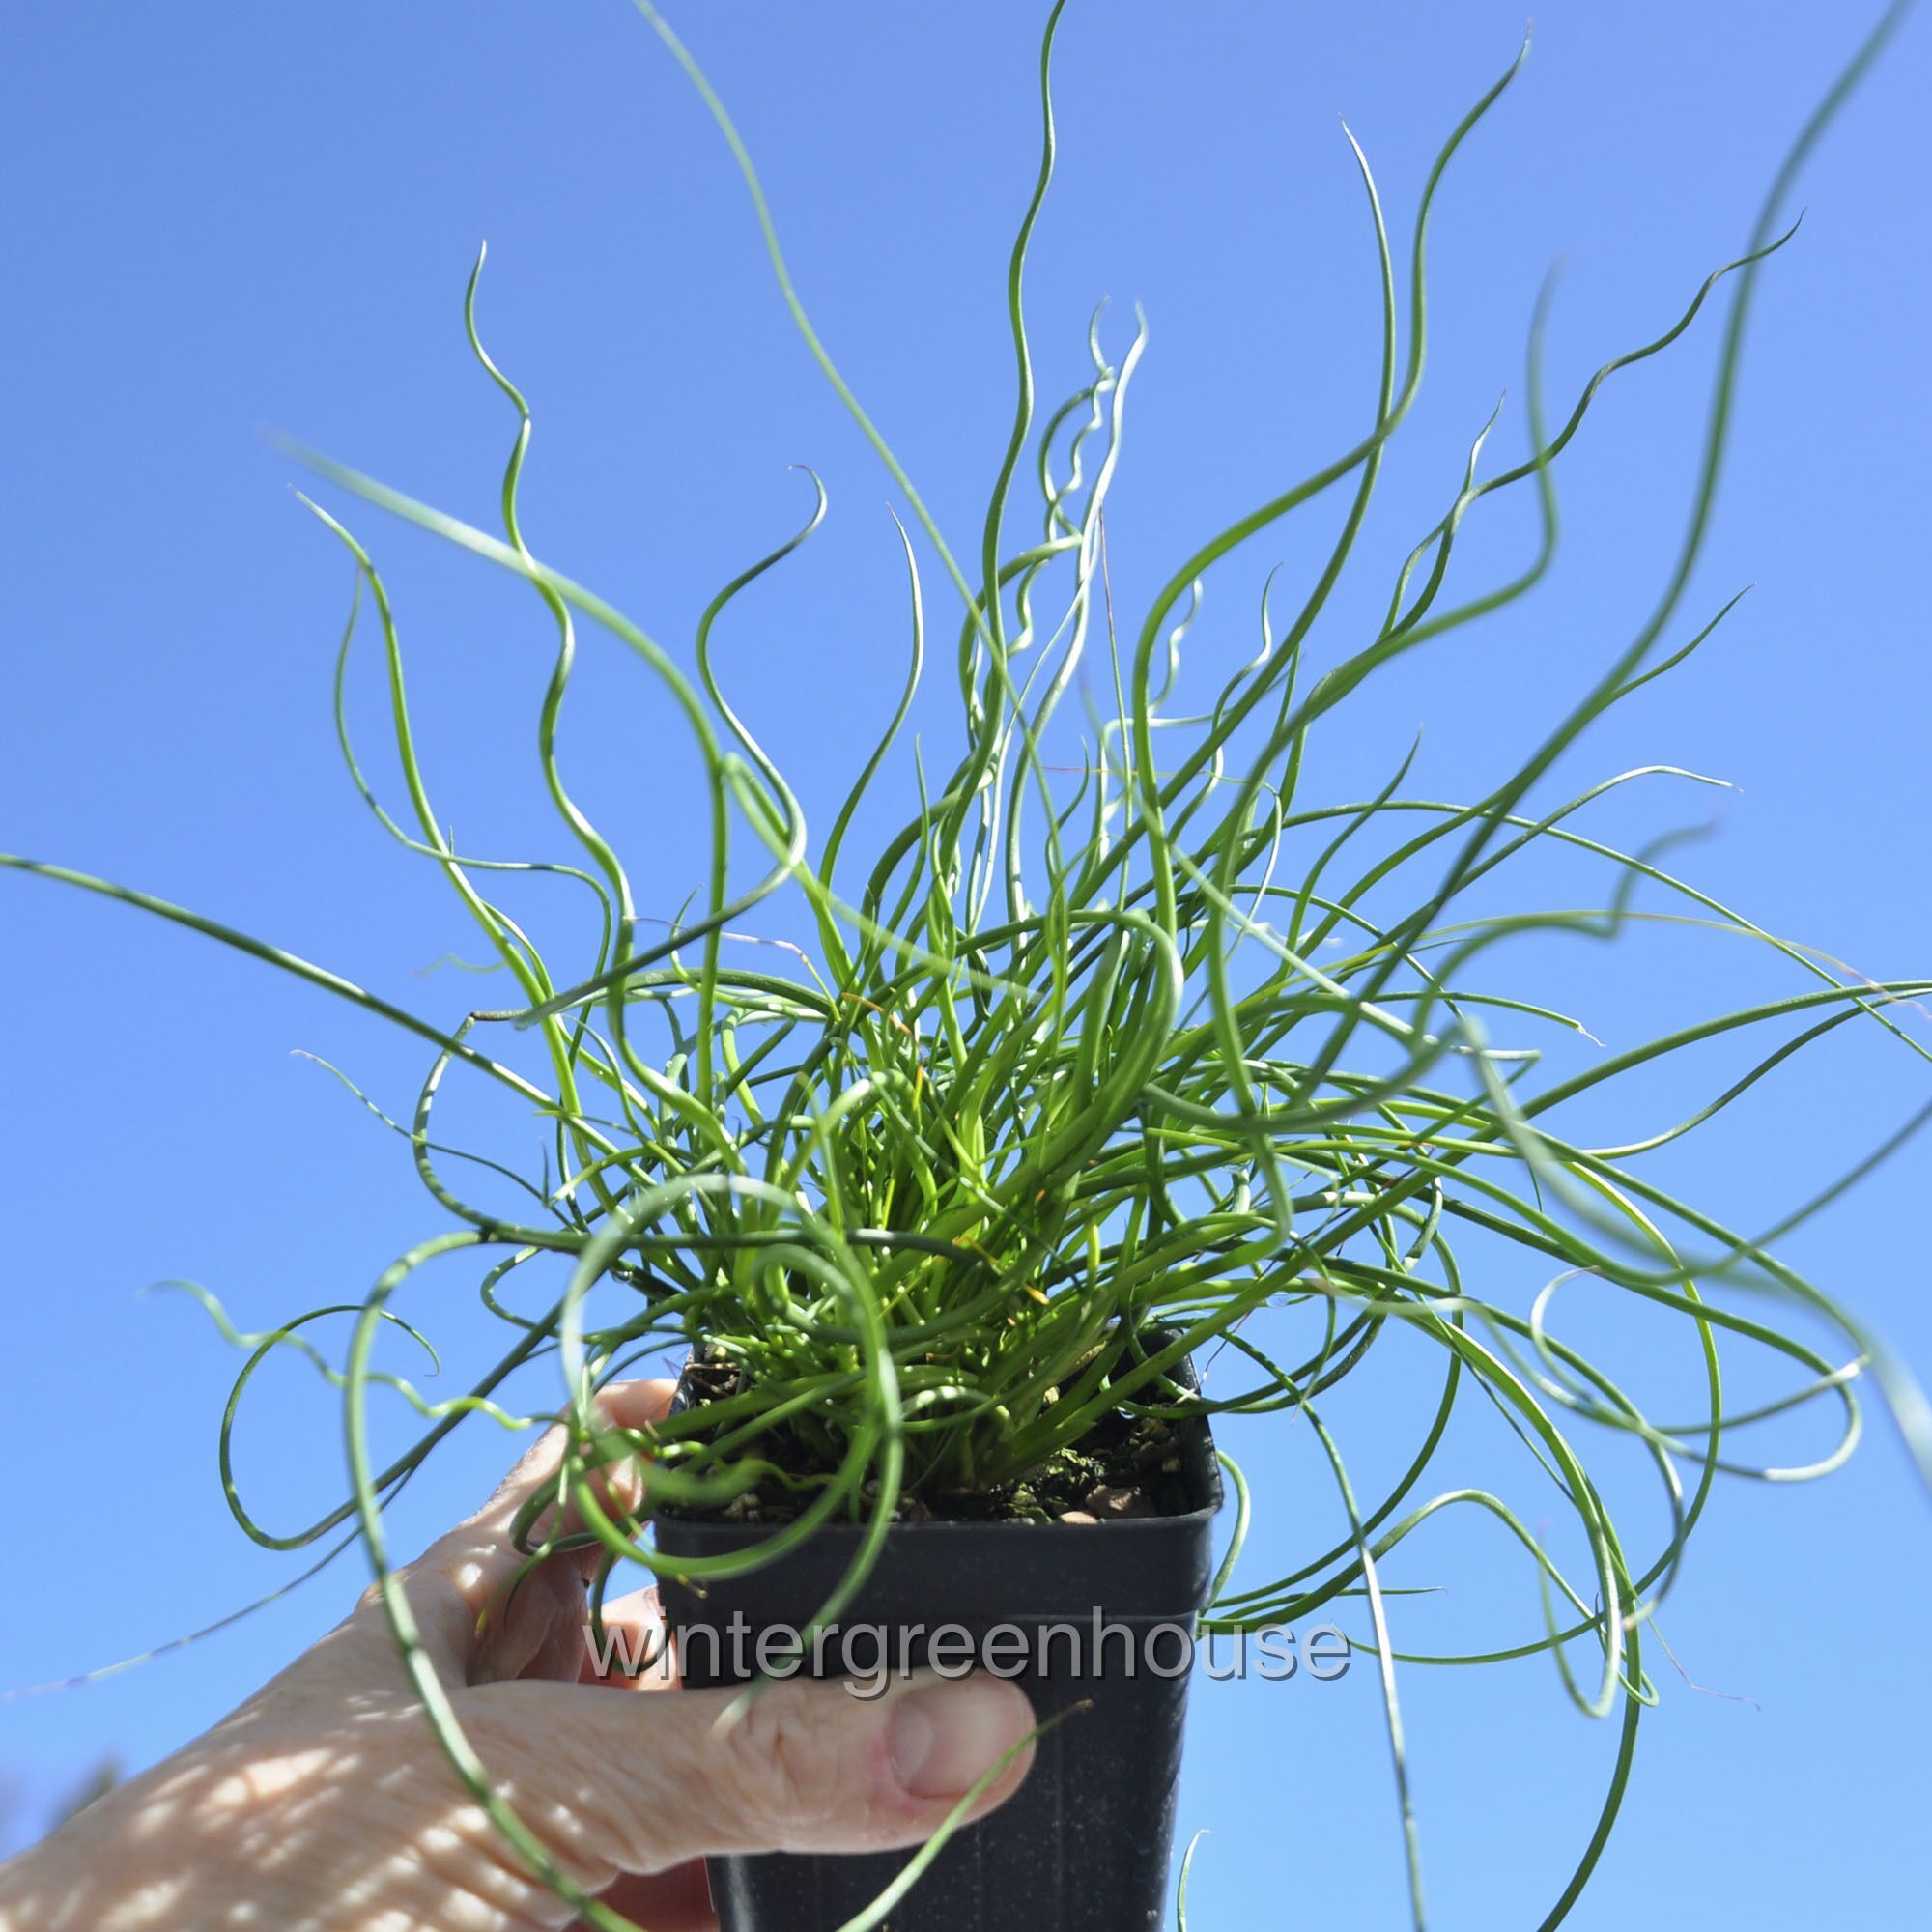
[(229, 217)]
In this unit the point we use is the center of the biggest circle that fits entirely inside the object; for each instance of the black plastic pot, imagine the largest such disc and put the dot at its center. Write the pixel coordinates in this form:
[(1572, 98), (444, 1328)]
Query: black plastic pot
[(1083, 1845)]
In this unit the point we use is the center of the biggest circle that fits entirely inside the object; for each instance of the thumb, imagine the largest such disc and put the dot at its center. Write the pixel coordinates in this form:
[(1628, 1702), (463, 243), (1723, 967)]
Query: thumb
[(639, 1783)]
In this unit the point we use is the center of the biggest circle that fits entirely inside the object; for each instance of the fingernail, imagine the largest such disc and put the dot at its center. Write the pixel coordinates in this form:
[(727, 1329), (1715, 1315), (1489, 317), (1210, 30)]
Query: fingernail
[(942, 1737)]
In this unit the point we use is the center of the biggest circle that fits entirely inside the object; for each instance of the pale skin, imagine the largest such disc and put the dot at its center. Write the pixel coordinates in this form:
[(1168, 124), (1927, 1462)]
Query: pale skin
[(325, 1803)]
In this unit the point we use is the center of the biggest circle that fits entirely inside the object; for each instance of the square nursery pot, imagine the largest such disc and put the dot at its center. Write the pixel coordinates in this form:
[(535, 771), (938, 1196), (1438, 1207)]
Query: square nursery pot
[(1083, 1845)]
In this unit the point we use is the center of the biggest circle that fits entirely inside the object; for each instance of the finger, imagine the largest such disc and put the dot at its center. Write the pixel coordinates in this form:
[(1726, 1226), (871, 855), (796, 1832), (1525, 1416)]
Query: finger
[(634, 1652), (533, 1629), (806, 1767), (677, 1900), (479, 1557)]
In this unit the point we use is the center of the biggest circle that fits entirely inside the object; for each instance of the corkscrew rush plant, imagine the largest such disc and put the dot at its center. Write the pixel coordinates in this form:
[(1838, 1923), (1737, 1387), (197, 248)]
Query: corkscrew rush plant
[(1120, 1051)]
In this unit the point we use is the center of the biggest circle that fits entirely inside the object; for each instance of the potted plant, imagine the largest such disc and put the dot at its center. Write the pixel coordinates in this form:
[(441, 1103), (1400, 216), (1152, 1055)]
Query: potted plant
[(1117, 1086), (1011, 1575)]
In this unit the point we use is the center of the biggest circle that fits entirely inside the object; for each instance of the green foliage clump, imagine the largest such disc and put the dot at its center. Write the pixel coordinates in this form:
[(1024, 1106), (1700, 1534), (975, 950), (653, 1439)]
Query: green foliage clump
[(1118, 1041)]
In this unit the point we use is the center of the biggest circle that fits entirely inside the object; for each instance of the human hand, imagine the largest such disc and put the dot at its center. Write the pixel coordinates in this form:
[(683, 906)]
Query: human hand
[(325, 1804)]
